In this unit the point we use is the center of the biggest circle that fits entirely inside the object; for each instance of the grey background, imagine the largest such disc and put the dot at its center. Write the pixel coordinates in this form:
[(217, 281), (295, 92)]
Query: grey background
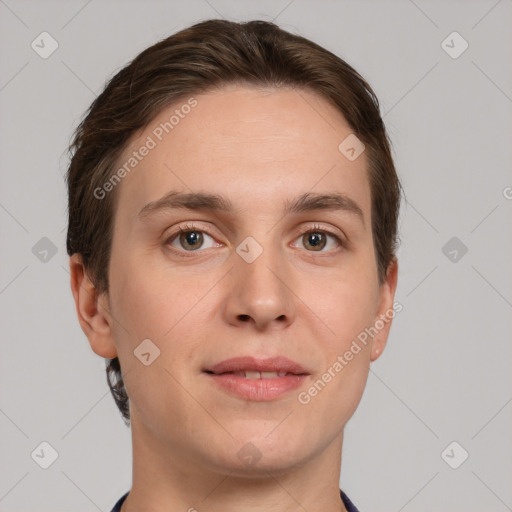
[(445, 375)]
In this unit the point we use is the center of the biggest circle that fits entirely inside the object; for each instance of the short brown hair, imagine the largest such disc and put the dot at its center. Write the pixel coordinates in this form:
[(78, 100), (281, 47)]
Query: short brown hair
[(206, 55)]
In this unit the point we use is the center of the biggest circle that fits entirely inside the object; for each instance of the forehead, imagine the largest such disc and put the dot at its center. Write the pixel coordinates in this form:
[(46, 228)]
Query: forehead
[(252, 144)]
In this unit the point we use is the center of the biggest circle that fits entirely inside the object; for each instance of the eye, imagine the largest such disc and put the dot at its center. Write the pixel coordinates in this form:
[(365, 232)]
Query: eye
[(316, 239), (191, 239)]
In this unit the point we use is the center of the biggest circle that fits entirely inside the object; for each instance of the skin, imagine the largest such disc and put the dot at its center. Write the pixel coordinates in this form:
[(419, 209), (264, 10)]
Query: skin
[(257, 147)]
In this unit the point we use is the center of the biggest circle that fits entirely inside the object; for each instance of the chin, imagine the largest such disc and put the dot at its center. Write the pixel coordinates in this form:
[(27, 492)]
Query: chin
[(261, 454)]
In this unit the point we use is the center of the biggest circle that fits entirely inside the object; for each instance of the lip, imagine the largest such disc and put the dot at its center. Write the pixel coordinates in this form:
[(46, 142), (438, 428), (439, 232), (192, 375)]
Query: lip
[(262, 389), (271, 364)]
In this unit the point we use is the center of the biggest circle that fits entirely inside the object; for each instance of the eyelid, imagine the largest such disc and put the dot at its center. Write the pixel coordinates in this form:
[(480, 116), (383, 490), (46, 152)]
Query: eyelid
[(184, 228)]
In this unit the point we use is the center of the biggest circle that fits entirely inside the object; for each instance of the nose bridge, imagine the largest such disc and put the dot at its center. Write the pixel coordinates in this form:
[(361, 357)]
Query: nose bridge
[(258, 265), (260, 289)]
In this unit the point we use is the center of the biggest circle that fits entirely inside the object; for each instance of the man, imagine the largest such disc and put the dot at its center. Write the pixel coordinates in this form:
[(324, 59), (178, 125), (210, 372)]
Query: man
[(233, 212)]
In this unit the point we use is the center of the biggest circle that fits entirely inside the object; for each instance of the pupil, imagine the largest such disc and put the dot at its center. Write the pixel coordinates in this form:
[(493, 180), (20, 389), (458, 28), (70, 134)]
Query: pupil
[(314, 237), (191, 238), (315, 240)]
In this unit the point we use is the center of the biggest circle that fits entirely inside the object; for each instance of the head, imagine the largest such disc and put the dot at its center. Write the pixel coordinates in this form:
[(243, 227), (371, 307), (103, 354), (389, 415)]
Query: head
[(252, 118)]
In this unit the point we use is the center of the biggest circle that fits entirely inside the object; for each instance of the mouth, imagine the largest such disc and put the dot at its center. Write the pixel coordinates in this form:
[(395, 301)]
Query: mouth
[(257, 379), (253, 368), (252, 374)]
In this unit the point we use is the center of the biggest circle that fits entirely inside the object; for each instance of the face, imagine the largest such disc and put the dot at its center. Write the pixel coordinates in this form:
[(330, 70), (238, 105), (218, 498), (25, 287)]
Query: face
[(263, 270)]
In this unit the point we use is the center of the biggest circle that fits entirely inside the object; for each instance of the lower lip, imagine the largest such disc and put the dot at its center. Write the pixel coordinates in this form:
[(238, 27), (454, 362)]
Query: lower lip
[(259, 390)]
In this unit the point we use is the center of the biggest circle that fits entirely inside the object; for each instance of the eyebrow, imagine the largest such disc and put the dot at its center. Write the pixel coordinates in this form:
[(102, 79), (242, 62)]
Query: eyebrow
[(200, 201)]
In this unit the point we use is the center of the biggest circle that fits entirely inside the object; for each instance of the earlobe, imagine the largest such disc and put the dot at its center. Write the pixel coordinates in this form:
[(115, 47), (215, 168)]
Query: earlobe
[(92, 310), (386, 310)]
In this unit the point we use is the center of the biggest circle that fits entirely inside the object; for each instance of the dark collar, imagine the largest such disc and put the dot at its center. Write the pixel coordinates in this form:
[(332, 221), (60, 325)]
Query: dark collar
[(346, 501)]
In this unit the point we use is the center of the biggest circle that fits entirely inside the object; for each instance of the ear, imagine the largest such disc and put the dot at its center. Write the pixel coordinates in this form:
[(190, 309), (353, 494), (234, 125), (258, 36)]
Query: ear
[(386, 312), (92, 310)]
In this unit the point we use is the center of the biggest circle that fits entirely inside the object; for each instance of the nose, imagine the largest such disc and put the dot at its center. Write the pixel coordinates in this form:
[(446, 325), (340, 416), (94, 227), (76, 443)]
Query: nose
[(260, 294)]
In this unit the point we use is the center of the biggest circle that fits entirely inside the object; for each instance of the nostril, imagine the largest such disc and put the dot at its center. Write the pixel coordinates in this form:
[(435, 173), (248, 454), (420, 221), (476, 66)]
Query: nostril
[(244, 318)]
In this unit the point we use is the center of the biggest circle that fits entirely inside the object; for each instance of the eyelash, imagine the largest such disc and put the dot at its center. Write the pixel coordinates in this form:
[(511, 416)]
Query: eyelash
[(191, 227)]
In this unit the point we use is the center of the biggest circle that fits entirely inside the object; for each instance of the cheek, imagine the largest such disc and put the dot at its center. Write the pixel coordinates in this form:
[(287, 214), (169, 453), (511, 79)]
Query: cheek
[(147, 306), (168, 309), (336, 390), (347, 306), (148, 301)]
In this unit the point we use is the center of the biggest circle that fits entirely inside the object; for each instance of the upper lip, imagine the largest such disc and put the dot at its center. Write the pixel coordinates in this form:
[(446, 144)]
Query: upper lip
[(248, 363)]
